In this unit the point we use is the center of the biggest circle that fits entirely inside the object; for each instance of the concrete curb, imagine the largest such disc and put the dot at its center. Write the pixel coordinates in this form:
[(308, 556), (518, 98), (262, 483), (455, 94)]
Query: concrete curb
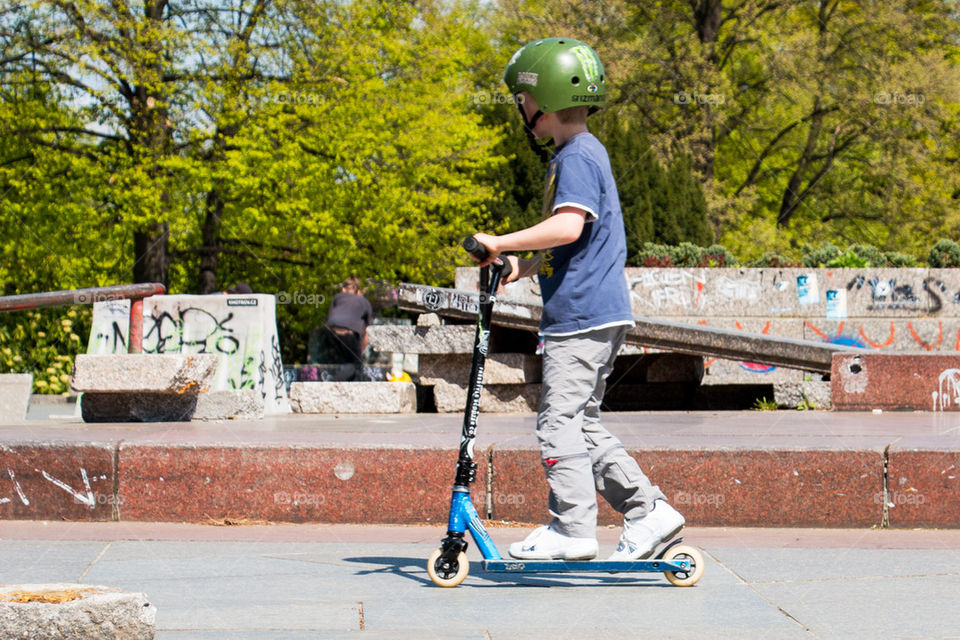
[(717, 484)]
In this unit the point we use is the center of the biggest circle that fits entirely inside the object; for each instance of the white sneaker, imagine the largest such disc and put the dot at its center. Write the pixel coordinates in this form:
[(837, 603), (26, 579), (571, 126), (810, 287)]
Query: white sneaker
[(641, 536), (546, 544)]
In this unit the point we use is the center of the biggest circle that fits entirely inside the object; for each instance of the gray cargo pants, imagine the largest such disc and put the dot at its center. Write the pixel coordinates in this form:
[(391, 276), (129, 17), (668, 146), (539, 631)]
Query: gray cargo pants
[(578, 454)]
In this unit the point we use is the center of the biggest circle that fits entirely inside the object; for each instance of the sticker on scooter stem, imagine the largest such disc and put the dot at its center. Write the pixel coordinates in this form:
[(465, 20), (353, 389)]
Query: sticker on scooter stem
[(484, 341)]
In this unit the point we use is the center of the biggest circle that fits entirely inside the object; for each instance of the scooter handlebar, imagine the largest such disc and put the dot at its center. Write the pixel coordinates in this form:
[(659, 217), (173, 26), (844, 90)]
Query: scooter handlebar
[(478, 251)]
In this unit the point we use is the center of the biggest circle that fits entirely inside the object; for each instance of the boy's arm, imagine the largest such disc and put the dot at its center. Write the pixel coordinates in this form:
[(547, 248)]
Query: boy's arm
[(563, 227)]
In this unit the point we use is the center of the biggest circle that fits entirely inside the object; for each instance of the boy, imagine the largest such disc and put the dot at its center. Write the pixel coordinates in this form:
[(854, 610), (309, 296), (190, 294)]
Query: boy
[(558, 82)]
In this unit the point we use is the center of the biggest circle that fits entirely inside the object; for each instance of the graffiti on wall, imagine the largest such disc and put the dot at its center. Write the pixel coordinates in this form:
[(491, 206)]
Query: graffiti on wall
[(110, 328), (659, 288), (240, 329)]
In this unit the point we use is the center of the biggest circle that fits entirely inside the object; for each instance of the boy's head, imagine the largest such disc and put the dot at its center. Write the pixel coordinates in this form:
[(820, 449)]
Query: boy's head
[(351, 285), (561, 75)]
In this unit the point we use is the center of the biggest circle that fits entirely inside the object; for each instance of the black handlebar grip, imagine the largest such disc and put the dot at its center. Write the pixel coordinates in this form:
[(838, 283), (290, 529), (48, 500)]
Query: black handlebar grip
[(474, 248), (478, 251)]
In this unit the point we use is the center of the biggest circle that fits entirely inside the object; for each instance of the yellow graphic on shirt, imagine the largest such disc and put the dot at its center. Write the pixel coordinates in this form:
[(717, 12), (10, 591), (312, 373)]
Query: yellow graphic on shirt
[(549, 193)]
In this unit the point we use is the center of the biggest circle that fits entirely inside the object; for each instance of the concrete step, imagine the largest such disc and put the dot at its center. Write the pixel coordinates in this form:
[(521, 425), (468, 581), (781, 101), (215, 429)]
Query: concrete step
[(720, 469)]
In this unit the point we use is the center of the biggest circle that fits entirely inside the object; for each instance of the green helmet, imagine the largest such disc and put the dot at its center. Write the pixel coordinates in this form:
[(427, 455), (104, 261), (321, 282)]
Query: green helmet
[(558, 73)]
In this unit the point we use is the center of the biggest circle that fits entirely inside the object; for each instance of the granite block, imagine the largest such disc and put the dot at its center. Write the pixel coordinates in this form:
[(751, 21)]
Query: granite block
[(805, 488), (353, 397), (923, 489), (499, 368), (496, 398), (453, 338), (890, 381), (153, 373), (290, 484), (57, 481)]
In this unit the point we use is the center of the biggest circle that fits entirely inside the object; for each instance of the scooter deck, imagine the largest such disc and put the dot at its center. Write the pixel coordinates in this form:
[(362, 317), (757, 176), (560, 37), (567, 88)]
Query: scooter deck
[(604, 566)]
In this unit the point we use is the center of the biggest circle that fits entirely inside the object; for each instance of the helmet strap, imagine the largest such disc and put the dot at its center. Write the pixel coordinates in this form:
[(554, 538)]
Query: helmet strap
[(543, 151)]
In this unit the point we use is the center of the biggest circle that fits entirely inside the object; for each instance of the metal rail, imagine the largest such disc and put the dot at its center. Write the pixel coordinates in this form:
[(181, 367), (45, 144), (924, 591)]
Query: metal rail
[(134, 292)]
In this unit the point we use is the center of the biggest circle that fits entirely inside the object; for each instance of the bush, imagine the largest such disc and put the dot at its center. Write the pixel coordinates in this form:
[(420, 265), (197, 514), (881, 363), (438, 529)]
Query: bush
[(820, 256), (655, 255), (773, 260), (44, 343), (944, 254), (848, 260)]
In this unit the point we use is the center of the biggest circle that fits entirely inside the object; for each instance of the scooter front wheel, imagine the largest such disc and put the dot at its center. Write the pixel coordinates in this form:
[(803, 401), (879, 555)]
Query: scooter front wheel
[(685, 578), (447, 574)]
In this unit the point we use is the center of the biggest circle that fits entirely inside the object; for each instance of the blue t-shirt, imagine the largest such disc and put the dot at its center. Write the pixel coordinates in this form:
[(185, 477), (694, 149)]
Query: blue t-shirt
[(583, 283)]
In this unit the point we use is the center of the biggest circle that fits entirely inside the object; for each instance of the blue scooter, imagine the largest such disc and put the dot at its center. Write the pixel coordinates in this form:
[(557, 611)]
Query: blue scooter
[(448, 565)]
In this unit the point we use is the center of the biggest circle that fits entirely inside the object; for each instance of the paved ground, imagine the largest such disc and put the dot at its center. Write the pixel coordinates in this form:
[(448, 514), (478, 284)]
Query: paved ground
[(351, 581)]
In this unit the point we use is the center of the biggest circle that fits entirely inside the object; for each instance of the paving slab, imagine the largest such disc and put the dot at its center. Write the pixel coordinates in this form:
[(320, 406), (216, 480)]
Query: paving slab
[(354, 581)]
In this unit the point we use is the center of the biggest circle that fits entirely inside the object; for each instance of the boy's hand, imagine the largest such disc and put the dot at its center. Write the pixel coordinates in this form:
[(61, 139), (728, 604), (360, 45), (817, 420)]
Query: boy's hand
[(514, 271), (490, 242)]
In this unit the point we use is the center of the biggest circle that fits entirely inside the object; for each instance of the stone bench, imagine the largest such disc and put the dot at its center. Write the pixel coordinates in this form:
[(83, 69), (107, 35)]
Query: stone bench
[(353, 397), (157, 388)]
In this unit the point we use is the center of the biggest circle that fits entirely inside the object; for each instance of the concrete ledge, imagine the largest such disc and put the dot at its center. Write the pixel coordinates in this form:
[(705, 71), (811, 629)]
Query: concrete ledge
[(243, 404), (721, 487), (64, 611), (495, 398), (500, 368), (750, 468), (918, 381), (923, 489), (57, 481), (444, 339), (145, 373), (284, 484), (353, 397), (15, 390)]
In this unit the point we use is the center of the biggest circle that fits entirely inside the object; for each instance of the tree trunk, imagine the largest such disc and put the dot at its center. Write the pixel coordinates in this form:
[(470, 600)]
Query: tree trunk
[(211, 245), (150, 252), (707, 18)]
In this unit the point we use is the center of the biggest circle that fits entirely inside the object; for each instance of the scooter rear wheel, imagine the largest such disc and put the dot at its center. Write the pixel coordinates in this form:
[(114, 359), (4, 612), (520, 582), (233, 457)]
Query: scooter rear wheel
[(685, 578), (447, 574)]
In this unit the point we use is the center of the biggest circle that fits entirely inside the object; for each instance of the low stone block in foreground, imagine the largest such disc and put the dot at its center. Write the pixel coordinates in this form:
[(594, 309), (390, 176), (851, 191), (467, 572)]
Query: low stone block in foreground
[(74, 612), (353, 397), (145, 373)]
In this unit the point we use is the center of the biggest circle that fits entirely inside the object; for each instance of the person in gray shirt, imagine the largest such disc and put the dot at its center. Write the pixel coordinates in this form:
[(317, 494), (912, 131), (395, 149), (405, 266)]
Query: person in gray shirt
[(345, 333)]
